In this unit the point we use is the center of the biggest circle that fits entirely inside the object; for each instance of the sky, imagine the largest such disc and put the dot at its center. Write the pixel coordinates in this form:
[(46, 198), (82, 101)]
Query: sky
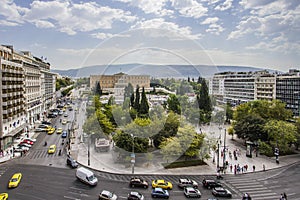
[(71, 34)]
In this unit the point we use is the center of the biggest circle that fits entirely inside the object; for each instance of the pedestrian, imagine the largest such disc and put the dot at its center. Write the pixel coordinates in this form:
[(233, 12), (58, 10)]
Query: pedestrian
[(285, 196), (254, 168), (264, 167), (234, 169), (246, 167), (230, 167), (242, 168)]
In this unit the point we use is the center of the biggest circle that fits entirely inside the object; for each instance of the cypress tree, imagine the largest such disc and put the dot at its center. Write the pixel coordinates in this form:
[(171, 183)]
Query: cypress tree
[(144, 106), (136, 104), (204, 100)]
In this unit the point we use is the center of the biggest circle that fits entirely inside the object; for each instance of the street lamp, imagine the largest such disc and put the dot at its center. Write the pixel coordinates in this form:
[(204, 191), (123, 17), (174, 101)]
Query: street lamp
[(132, 155), (224, 150), (218, 157), (89, 141)]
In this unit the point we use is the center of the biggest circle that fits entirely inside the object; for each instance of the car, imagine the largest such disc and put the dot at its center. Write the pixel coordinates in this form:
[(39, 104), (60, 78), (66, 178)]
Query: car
[(59, 130), (15, 180), (221, 192), (70, 109), (20, 149), (52, 149), (44, 126), (185, 182), (66, 115), (60, 112), (46, 122), (138, 182), (51, 131), (162, 184), (51, 115), (64, 122), (135, 196), (72, 162), (24, 145), (107, 195), (210, 183), (160, 193), (191, 192), (27, 142), (64, 134), (31, 139), (3, 196)]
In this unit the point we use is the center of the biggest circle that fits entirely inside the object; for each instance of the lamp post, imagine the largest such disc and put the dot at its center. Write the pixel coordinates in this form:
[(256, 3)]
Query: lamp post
[(218, 156), (89, 154), (224, 150), (132, 155)]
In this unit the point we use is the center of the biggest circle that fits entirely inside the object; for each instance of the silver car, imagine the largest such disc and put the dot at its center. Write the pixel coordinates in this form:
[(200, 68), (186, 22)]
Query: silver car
[(192, 192)]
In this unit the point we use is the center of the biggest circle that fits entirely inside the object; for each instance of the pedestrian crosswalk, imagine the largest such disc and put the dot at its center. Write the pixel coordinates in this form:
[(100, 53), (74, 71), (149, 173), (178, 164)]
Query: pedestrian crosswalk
[(40, 153), (257, 189)]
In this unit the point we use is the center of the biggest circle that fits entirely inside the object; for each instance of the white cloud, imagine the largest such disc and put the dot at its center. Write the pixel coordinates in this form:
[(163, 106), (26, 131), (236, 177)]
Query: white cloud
[(215, 29), (43, 24), (161, 28), (8, 23), (189, 8), (66, 16), (210, 20), (248, 25), (103, 36), (225, 6)]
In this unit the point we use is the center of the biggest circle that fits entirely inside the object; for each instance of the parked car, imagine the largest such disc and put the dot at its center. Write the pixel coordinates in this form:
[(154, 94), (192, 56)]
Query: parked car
[(191, 192), (24, 145), (20, 149), (15, 180), (160, 193), (52, 149), (27, 142), (72, 162), (46, 122), (185, 182), (3, 196), (138, 182), (31, 139), (135, 196), (221, 192), (162, 184), (209, 183), (64, 134)]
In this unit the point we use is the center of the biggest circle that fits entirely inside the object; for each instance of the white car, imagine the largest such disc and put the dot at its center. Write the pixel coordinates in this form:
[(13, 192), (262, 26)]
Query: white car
[(107, 195), (192, 192)]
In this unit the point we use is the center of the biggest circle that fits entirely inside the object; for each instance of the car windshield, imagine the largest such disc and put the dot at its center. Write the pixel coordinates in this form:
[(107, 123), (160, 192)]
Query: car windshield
[(14, 180), (90, 178)]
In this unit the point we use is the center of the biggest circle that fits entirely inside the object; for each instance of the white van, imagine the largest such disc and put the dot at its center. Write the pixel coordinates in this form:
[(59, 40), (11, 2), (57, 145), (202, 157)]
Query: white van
[(86, 176)]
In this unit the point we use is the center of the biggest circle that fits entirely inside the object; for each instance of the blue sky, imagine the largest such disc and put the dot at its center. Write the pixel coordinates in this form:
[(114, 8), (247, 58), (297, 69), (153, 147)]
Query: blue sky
[(72, 34)]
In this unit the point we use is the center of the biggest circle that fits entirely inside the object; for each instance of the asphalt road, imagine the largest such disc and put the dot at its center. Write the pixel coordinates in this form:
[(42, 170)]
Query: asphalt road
[(48, 182)]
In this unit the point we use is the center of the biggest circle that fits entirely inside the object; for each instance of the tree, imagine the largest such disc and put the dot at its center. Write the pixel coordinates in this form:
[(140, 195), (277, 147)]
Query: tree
[(281, 134), (98, 90), (136, 104), (128, 91), (104, 122), (144, 106), (297, 143), (171, 149), (204, 99), (173, 104), (229, 112)]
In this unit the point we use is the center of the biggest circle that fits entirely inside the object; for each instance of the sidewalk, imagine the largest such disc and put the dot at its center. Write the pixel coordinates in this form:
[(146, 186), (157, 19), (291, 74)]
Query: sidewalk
[(104, 161)]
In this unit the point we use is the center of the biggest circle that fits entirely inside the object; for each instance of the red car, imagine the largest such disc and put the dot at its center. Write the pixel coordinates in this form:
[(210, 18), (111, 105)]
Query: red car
[(27, 142)]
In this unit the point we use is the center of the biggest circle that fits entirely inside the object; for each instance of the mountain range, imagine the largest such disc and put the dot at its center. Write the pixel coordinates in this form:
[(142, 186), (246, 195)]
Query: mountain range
[(156, 71)]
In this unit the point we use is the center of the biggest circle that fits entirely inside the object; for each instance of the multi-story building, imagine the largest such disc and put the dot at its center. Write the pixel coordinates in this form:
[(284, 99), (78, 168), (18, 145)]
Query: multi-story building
[(27, 90), (12, 98), (120, 80), (241, 87), (288, 90)]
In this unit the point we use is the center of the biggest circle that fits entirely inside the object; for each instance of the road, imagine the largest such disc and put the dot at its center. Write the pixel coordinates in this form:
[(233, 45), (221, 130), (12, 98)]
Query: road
[(48, 182)]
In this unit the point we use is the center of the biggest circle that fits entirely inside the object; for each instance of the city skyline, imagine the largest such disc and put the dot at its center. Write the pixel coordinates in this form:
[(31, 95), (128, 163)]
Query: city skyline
[(72, 34)]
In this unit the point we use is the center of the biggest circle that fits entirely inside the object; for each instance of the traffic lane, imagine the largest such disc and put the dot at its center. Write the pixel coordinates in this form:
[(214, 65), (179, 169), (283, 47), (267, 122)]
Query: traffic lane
[(40, 182)]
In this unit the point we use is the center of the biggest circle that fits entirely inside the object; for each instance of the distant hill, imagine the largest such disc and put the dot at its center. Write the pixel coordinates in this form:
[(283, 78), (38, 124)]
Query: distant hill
[(157, 71)]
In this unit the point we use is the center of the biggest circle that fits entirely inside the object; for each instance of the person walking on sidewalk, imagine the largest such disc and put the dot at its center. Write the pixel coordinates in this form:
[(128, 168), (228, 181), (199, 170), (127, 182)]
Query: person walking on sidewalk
[(264, 167), (253, 168)]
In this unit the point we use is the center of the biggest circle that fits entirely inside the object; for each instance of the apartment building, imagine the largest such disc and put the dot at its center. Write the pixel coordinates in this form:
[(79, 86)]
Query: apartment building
[(27, 88), (288, 90), (241, 87)]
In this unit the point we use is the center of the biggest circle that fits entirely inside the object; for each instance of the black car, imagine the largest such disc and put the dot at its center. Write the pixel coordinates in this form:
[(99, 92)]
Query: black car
[(135, 196), (46, 122), (209, 183), (221, 192), (138, 182), (72, 162), (185, 182), (246, 196)]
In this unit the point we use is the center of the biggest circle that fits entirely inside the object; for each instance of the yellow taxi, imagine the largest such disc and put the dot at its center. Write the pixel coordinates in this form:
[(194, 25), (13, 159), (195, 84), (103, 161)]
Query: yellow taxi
[(64, 122), (49, 128), (15, 180), (162, 184), (3, 196), (51, 131), (59, 130), (52, 149)]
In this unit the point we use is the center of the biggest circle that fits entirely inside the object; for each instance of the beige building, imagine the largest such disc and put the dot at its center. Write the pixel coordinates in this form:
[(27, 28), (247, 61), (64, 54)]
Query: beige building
[(118, 81)]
